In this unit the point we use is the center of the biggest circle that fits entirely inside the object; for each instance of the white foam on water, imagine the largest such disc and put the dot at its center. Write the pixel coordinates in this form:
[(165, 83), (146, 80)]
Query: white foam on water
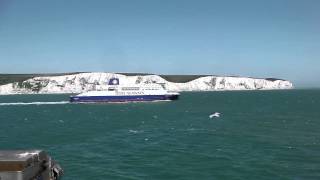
[(33, 103), (133, 131)]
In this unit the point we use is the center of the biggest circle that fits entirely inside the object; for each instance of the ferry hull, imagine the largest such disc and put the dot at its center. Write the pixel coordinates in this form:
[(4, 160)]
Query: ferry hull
[(98, 99)]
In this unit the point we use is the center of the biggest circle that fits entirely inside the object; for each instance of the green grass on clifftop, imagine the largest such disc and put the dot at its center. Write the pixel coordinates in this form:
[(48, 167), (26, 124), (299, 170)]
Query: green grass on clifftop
[(10, 78)]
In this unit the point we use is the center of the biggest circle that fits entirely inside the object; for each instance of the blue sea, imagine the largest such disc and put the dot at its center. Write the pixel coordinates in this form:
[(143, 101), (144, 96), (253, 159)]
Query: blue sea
[(259, 135)]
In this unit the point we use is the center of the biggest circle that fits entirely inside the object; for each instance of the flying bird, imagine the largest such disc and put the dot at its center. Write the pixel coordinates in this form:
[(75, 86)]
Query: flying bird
[(214, 115)]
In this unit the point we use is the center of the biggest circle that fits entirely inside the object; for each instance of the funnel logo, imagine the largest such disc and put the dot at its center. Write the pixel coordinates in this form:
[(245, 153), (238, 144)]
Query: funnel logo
[(113, 81)]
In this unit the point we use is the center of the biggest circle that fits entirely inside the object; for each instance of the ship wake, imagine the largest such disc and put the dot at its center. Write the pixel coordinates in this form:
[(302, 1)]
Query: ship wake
[(33, 103)]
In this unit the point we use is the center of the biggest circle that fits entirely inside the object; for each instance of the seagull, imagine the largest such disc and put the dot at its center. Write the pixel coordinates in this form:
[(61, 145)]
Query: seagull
[(216, 115)]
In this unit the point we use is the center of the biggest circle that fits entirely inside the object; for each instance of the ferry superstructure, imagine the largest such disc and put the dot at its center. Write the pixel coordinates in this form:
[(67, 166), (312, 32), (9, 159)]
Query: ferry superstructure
[(117, 93)]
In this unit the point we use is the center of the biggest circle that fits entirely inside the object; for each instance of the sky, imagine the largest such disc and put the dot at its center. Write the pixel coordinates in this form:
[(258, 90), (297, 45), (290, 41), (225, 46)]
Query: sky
[(253, 38)]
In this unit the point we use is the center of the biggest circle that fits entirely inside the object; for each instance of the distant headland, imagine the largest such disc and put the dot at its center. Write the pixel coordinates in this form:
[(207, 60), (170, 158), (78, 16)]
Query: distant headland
[(78, 82)]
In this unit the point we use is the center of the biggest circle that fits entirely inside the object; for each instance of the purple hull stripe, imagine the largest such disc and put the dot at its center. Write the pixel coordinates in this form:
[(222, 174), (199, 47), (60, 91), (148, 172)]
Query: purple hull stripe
[(122, 98)]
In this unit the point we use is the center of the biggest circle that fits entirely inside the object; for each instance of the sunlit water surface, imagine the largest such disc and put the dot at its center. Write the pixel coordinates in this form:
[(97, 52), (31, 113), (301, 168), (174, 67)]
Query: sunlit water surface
[(259, 135)]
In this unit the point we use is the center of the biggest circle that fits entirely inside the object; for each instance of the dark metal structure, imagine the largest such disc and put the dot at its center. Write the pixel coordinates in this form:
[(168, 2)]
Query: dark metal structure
[(28, 165)]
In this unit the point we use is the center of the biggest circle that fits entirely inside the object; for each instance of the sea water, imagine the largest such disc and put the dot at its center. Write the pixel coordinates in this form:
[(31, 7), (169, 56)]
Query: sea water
[(258, 135)]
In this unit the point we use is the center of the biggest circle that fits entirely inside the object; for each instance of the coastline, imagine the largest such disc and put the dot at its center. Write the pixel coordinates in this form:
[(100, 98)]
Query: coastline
[(72, 83)]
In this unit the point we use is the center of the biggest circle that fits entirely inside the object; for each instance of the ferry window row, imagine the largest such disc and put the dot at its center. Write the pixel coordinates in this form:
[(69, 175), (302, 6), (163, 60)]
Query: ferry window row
[(130, 88)]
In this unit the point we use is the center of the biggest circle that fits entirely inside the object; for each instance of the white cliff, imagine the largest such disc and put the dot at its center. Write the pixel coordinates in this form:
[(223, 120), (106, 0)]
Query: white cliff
[(83, 82)]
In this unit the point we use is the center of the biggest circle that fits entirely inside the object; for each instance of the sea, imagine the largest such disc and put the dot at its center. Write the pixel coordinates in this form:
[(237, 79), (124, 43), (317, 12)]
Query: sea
[(259, 135)]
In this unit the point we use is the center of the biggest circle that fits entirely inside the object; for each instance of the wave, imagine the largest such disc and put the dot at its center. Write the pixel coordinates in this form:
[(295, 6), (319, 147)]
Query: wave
[(33, 103)]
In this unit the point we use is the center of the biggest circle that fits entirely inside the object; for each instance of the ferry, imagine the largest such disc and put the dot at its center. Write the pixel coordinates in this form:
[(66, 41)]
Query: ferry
[(117, 93)]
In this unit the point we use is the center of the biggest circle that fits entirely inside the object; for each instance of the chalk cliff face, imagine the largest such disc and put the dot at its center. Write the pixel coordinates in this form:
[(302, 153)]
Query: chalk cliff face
[(83, 82)]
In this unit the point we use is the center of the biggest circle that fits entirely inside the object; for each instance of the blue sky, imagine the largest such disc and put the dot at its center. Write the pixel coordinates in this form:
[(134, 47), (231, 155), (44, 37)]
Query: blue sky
[(258, 38)]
